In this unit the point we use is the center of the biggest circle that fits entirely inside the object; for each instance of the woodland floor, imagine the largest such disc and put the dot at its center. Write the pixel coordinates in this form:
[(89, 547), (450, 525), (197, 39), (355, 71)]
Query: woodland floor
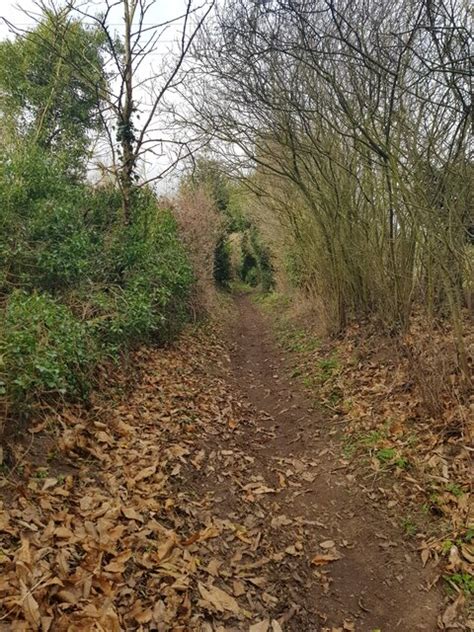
[(209, 495)]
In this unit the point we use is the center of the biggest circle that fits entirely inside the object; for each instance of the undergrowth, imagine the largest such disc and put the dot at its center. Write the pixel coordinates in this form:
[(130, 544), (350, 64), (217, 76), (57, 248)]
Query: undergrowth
[(77, 284)]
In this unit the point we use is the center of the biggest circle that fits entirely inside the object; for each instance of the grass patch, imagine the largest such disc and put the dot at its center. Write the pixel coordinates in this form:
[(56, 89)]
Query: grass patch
[(462, 581), (409, 526), (455, 489), (297, 340), (391, 457), (327, 367)]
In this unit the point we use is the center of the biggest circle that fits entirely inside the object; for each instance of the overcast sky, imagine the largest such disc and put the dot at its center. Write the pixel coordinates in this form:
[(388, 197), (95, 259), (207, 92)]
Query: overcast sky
[(161, 11)]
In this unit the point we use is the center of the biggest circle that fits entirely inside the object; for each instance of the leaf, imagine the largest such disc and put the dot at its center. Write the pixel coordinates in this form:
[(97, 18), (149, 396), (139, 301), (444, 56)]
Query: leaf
[(213, 567), (281, 521), (238, 588), (117, 565), (327, 544), (48, 483), (326, 558), (144, 616), (467, 553), (104, 437), (46, 623), (425, 556), (166, 547), (24, 552), (206, 534), (455, 561), (63, 533), (258, 488), (29, 606), (218, 598), (450, 615), (146, 473), (132, 514), (262, 626)]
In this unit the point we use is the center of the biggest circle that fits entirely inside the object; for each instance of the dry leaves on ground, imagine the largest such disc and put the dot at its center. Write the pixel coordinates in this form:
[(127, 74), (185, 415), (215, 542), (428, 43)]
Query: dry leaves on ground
[(113, 541)]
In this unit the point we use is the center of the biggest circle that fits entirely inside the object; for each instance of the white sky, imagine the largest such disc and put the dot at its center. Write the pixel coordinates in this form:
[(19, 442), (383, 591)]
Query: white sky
[(161, 11)]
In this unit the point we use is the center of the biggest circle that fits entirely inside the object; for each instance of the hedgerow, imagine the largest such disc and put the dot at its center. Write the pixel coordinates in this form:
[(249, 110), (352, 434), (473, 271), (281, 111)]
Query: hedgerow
[(77, 284)]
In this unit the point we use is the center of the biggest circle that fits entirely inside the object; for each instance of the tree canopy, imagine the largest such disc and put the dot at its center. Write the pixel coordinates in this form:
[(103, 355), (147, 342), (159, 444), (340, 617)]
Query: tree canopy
[(52, 81)]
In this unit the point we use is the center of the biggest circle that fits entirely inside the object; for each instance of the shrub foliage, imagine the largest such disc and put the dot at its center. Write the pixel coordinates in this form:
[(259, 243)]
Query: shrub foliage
[(76, 284)]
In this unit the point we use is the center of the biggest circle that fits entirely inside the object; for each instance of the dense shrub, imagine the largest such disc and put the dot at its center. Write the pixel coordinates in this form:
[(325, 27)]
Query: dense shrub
[(46, 241), (44, 349), (150, 281), (256, 268), (76, 284), (222, 262)]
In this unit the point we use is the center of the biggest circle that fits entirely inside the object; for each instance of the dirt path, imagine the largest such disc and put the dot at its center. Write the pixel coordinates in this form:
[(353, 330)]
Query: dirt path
[(378, 582), (205, 495)]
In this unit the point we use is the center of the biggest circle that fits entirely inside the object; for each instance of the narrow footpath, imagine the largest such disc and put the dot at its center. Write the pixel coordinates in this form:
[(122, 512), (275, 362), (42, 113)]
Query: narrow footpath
[(204, 495), (375, 580)]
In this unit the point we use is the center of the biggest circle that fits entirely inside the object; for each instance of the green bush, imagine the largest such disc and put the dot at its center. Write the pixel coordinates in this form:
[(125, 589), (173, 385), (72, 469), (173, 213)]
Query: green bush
[(123, 317), (44, 350), (256, 268), (76, 283), (222, 262), (153, 269), (45, 241)]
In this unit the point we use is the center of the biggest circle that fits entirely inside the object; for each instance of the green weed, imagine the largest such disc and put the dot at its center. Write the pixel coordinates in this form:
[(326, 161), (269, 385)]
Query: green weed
[(390, 456), (298, 340), (446, 546), (327, 368), (464, 581), (469, 535), (455, 489), (386, 455), (372, 439), (409, 526)]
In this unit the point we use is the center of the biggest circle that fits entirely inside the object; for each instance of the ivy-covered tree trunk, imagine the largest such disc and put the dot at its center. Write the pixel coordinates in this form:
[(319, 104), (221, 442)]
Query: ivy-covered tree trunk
[(127, 168), (125, 129)]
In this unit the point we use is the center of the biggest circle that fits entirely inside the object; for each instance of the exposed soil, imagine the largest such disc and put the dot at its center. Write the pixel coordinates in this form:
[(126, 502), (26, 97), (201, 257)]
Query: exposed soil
[(379, 582)]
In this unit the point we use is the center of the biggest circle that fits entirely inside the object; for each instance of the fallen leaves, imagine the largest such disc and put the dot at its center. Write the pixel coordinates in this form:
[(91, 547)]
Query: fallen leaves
[(119, 542), (261, 626), (29, 606), (217, 598), (325, 558), (146, 473), (450, 617), (163, 523)]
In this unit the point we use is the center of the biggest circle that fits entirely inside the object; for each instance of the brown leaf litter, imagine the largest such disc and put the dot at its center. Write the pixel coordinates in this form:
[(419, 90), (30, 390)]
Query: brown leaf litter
[(158, 510)]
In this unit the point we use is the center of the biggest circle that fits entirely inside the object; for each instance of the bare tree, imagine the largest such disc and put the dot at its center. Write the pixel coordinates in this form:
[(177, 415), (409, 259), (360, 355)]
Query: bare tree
[(351, 118), (136, 97)]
